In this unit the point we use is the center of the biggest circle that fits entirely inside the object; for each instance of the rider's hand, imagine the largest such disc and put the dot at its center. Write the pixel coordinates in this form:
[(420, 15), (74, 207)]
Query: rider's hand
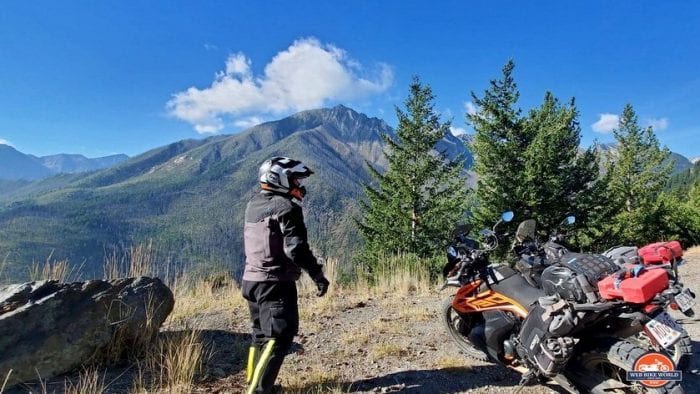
[(321, 284)]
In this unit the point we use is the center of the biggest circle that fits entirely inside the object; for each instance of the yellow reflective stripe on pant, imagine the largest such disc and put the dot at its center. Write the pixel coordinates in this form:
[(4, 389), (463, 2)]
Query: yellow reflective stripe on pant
[(261, 365), (251, 363)]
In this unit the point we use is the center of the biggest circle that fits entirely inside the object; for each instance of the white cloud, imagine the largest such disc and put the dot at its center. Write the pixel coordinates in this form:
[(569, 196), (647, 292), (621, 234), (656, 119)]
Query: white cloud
[(5, 142), (471, 108), (606, 123), (306, 75), (248, 122), (658, 124), (210, 47), (457, 131)]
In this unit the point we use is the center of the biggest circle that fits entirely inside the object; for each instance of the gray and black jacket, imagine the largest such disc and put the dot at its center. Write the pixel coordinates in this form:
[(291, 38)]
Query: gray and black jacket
[(276, 244)]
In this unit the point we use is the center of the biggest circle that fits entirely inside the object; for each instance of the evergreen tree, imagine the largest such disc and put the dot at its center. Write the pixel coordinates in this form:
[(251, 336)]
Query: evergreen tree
[(636, 175), (530, 165), (557, 179), (422, 195), (498, 145)]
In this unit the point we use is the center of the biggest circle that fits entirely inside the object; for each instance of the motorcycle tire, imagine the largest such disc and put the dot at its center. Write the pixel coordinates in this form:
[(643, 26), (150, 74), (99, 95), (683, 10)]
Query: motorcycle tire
[(615, 361), (681, 352), (458, 329)]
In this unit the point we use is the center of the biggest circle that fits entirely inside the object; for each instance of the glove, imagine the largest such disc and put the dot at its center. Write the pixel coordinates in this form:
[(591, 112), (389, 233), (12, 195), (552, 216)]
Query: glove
[(321, 284)]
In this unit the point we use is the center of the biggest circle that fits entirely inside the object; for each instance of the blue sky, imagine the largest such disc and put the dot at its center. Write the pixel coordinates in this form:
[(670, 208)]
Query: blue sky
[(103, 77)]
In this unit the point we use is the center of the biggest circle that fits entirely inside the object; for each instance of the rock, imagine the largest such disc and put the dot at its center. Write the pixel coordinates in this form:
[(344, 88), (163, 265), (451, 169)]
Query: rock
[(49, 328)]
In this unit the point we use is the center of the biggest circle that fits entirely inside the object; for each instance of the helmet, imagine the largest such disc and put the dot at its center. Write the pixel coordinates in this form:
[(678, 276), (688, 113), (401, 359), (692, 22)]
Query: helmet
[(282, 174)]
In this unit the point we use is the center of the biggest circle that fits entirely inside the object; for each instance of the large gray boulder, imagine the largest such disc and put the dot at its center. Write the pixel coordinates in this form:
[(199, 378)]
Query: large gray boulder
[(49, 328)]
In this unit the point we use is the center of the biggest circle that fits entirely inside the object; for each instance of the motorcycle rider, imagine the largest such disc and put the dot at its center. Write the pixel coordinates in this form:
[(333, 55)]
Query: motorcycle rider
[(276, 247)]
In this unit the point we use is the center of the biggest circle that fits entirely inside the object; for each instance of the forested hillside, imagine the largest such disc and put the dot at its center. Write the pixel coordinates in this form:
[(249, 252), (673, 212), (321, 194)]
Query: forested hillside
[(188, 197)]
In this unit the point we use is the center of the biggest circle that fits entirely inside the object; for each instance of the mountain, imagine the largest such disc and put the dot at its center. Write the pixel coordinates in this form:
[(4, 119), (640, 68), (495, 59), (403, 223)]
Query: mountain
[(680, 162), (15, 165), (65, 163), (188, 197)]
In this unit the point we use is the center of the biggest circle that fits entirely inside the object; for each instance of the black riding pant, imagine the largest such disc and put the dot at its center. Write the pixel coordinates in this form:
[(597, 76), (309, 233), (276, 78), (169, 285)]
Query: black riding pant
[(274, 314)]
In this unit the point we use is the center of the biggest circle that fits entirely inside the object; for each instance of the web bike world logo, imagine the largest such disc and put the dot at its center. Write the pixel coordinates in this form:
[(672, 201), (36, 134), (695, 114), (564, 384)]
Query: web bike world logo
[(654, 370)]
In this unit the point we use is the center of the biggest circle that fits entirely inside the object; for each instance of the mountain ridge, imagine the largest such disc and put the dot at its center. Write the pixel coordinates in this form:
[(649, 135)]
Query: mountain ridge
[(188, 197), (15, 165)]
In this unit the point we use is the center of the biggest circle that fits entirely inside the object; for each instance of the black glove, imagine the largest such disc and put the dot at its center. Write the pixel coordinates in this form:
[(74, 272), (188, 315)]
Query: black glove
[(321, 284)]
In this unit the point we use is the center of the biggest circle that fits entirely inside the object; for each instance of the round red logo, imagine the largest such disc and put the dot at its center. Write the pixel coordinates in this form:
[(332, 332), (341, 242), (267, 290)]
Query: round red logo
[(656, 365)]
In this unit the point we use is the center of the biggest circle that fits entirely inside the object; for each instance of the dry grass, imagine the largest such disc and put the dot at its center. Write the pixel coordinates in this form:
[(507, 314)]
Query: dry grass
[(4, 383), (317, 380), (172, 365), (410, 313), (135, 261), (384, 350), (89, 382), (448, 362), (196, 297), (54, 270), (3, 266), (360, 338)]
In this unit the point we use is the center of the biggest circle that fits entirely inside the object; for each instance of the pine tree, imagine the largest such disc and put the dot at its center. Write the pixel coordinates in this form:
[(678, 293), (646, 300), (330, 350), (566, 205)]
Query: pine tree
[(557, 179), (637, 174), (422, 195), (498, 145), (530, 165)]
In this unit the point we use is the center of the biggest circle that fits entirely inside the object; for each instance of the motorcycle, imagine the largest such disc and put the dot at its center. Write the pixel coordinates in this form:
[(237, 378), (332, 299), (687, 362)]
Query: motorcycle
[(535, 256), (563, 330)]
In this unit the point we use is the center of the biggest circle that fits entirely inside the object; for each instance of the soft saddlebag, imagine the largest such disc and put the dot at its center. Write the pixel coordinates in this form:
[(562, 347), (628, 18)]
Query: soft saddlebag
[(637, 290), (545, 350), (661, 252)]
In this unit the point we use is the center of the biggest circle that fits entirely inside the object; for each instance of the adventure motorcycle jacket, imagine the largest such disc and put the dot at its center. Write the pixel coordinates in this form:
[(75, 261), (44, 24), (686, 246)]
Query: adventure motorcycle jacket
[(276, 244)]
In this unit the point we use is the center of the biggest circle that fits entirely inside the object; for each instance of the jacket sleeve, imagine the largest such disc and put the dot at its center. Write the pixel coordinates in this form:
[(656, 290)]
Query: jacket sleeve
[(296, 245)]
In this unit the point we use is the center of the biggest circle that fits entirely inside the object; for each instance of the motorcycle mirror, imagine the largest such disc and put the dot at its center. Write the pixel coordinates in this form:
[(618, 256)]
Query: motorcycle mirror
[(507, 216), (571, 219)]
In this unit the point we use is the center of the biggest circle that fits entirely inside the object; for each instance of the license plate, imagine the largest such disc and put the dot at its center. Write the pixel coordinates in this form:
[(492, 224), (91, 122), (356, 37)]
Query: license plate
[(664, 329), (685, 300)]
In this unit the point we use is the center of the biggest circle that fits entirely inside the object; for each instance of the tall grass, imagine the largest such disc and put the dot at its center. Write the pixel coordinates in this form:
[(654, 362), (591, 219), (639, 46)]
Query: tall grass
[(135, 261), (3, 266), (55, 270), (89, 382), (173, 364)]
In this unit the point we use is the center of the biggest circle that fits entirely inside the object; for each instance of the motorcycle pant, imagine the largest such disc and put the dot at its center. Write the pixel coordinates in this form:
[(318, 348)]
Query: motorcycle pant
[(274, 314)]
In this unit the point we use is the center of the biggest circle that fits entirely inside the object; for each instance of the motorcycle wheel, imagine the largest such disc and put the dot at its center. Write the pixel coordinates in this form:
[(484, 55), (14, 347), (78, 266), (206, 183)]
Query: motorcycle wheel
[(459, 329), (614, 363), (681, 352)]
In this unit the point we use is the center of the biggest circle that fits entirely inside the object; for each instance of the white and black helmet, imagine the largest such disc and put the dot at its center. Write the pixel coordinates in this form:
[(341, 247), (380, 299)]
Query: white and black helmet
[(278, 173)]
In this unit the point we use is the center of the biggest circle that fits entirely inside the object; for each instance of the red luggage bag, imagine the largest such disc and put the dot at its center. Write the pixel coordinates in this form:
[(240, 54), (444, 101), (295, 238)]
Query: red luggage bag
[(661, 252)]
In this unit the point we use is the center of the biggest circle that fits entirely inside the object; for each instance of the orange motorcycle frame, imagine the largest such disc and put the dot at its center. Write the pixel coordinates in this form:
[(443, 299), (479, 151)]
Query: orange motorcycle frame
[(469, 300)]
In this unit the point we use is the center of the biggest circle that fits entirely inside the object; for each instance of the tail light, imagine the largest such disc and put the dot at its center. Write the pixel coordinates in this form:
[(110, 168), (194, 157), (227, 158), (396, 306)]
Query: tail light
[(650, 308)]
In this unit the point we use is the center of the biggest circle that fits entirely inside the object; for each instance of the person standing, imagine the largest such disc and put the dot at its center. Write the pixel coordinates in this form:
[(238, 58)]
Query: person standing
[(276, 249)]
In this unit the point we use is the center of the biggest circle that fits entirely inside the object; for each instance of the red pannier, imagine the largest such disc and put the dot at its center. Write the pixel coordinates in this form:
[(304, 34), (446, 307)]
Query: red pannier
[(660, 252), (638, 290)]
